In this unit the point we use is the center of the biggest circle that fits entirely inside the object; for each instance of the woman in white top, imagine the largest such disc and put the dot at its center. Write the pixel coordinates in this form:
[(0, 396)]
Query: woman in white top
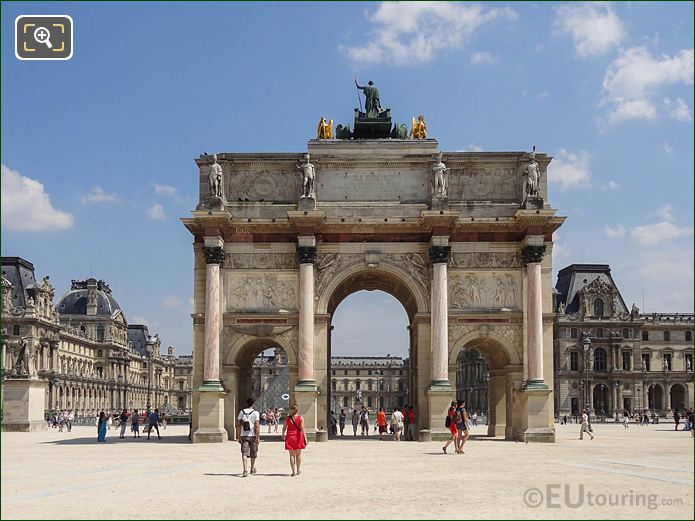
[(397, 423)]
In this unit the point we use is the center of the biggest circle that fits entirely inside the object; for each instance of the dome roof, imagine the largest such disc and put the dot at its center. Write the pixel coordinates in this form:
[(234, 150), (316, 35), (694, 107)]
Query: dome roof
[(74, 302)]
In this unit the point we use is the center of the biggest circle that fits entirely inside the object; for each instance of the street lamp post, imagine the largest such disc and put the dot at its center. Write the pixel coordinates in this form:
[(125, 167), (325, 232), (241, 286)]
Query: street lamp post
[(56, 387), (586, 346), (616, 386)]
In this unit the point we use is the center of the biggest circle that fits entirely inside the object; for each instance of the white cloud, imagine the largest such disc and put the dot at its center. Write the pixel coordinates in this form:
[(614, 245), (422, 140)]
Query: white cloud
[(482, 57), (613, 185), (156, 212), (408, 33), (171, 301), (542, 95), (165, 189), (97, 195), (667, 278), (669, 149), (678, 109), (27, 207), (594, 27), (139, 320), (472, 147), (666, 213), (614, 231), (663, 231), (569, 170), (635, 77)]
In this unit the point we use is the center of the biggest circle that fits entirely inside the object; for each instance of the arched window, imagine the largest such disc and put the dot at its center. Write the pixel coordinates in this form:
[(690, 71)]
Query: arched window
[(626, 333), (573, 332), (381, 385), (346, 384), (369, 385), (600, 359), (16, 330), (598, 307), (357, 384), (599, 332), (100, 333)]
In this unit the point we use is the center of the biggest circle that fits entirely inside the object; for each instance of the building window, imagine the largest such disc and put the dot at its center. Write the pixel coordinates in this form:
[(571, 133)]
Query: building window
[(345, 401), (333, 385), (688, 336), (369, 385), (573, 332), (574, 360), (100, 333), (381, 385), (400, 385), (345, 372), (369, 401), (369, 372), (180, 385), (333, 372), (626, 360), (667, 336), (100, 353), (16, 330), (646, 366), (599, 333), (346, 384), (645, 335), (598, 307), (600, 359), (667, 361), (626, 333), (357, 372), (357, 384)]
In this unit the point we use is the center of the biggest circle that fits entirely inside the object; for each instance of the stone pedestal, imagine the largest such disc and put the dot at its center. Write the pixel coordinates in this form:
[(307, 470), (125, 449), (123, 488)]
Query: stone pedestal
[(537, 423), (305, 395), (23, 405), (210, 418), (215, 203), (533, 202), (306, 203), (440, 203), (439, 399)]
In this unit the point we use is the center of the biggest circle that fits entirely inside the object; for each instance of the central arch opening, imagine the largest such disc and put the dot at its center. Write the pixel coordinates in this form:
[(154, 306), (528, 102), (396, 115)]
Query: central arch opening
[(370, 362)]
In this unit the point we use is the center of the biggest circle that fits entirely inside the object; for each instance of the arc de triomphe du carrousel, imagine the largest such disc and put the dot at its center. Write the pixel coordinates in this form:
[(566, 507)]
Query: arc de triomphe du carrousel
[(463, 240)]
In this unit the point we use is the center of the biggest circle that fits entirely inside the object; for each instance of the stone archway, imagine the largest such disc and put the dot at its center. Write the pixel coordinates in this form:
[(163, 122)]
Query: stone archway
[(655, 397), (393, 280), (678, 397)]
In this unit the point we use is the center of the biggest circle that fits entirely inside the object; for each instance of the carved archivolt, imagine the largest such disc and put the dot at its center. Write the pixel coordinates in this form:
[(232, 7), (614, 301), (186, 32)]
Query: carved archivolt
[(268, 261), (261, 292), (483, 291), (507, 336)]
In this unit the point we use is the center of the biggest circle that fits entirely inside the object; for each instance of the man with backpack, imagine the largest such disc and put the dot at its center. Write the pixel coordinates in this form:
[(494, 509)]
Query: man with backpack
[(249, 429)]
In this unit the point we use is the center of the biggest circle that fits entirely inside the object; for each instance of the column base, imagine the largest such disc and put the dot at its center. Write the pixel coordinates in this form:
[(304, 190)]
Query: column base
[(210, 416), (536, 383), (305, 395), (211, 385), (439, 396), (537, 423)]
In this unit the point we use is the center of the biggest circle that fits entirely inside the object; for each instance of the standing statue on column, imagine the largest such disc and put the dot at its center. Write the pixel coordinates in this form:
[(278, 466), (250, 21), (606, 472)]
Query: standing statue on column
[(215, 178), (308, 177), (358, 396), (533, 176), (440, 178)]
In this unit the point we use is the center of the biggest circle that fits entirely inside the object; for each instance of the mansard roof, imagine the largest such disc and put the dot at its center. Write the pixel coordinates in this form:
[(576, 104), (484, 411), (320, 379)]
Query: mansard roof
[(572, 279), (20, 273)]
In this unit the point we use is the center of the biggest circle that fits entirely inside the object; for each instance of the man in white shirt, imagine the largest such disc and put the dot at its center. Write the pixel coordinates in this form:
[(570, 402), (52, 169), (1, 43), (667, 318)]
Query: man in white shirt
[(249, 434), (585, 426)]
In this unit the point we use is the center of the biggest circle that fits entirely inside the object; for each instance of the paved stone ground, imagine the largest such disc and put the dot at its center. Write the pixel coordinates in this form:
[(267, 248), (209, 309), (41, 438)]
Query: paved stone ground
[(69, 476)]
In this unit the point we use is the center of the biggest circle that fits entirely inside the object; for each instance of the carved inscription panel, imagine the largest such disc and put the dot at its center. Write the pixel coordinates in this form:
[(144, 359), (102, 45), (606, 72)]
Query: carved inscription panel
[(372, 185), (267, 292), (484, 184)]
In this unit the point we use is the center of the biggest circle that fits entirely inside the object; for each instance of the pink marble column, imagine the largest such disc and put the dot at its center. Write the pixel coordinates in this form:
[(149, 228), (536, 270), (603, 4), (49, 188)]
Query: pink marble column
[(439, 255), (533, 255), (307, 257), (211, 368)]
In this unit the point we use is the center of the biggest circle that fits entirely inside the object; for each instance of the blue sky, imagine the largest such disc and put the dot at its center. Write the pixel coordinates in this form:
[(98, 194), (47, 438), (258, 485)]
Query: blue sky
[(97, 151)]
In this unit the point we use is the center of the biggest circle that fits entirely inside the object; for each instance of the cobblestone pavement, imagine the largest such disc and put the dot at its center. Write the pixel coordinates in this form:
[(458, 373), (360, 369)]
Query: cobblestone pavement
[(642, 472)]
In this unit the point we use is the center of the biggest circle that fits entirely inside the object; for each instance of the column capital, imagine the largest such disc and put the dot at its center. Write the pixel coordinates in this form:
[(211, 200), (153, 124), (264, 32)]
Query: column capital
[(213, 255), (440, 254), (306, 254), (533, 253)]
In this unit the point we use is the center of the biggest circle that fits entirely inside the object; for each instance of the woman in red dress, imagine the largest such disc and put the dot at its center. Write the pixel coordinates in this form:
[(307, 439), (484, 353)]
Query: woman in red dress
[(295, 438), (451, 414)]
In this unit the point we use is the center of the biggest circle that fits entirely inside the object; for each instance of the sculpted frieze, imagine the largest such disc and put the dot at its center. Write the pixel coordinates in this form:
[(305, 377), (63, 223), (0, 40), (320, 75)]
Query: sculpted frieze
[(483, 291), (247, 261), (486, 260), (484, 184), (263, 185), (262, 292)]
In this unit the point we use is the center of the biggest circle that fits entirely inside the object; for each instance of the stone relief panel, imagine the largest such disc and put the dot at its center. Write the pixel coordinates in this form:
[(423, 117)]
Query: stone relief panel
[(262, 185), (267, 292), (484, 290), (486, 260), (266, 261), (484, 184)]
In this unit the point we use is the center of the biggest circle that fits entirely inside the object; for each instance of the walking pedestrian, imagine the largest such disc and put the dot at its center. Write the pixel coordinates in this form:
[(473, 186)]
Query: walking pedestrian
[(364, 421), (249, 429), (626, 419), (341, 421), (406, 423), (61, 421), (462, 431), (397, 423), (69, 419), (412, 426), (270, 419), (153, 421), (109, 420), (334, 424), (277, 419), (101, 427), (135, 423), (295, 438), (474, 419), (355, 421), (124, 422), (676, 419), (381, 422), (585, 426), (450, 422)]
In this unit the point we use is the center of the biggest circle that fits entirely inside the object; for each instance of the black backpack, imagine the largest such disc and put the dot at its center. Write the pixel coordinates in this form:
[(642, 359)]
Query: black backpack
[(447, 421)]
